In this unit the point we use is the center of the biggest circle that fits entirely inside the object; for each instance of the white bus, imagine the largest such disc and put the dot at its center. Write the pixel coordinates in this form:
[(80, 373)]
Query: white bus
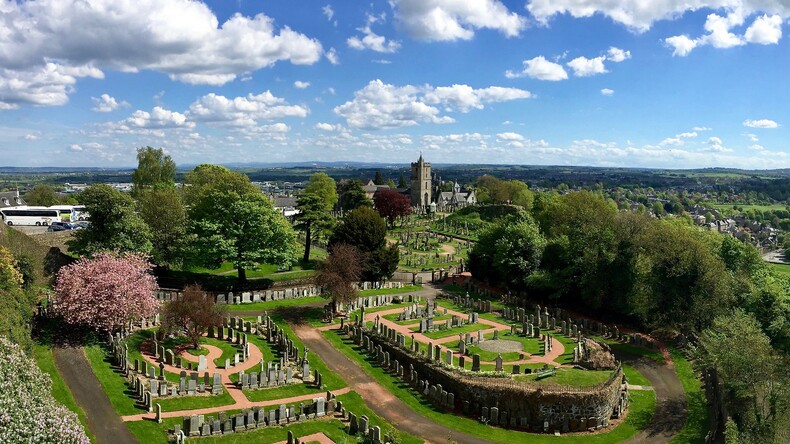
[(71, 213), (29, 215)]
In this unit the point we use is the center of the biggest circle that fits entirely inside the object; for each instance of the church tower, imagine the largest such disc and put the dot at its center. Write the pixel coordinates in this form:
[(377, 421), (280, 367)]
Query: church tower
[(421, 183)]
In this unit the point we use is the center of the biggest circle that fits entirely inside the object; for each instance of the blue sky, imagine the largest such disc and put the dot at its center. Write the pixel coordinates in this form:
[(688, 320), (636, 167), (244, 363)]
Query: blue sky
[(556, 82)]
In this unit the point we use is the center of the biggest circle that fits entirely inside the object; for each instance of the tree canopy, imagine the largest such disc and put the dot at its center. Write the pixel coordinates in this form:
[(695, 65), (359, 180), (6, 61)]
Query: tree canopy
[(163, 211), (391, 204), (351, 195), (338, 273), (245, 230), (315, 204), (364, 229), (154, 169), (106, 292), (115, 226), (45, 196), (192, 314), (207, 178)]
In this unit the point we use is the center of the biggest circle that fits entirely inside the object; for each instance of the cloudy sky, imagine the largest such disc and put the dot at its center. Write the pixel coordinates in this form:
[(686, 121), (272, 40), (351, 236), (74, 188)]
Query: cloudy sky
[(643, 83)]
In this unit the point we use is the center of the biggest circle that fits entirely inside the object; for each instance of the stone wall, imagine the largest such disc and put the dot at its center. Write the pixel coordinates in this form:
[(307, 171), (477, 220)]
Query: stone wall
[(498, 399)]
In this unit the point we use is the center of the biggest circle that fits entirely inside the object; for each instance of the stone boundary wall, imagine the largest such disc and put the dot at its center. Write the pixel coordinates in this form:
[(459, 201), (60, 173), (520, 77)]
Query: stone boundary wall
[(273, 294), (498, 399)]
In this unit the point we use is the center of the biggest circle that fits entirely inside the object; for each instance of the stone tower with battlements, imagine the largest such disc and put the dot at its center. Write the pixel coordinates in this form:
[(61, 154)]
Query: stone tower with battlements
[(421, 183)]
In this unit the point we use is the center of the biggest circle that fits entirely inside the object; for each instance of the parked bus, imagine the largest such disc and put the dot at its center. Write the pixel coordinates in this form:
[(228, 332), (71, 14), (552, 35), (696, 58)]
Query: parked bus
[(29, 215), (71, 213)]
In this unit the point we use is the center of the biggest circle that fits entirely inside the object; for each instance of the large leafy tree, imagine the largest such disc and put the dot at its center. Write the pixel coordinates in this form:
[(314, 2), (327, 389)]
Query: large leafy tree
[(364, 229), (509, 252), (339, 272), (245, 230), (163, 211), (28, 412), (192, 314), (351, 195), (208, 178), (392, 205), (115, 225), (106, 292), (315, 204), (752, 373), (17, 303), (154, 169)]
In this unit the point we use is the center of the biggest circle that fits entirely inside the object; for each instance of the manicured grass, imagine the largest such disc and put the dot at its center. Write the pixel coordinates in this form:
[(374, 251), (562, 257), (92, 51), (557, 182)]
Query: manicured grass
[(634, 377), (228, 350), (571, 376), (394, 318), (781, 269), (383, 308), (653, 354), (194, 402), (286, 391), (153, 433), (696, 425), (274, 305), (640, 411), (383, 291), (120, 394), (60, 391), (445, 333)]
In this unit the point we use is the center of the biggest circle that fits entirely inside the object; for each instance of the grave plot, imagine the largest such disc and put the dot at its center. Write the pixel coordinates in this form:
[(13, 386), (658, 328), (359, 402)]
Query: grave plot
[(425, 250)]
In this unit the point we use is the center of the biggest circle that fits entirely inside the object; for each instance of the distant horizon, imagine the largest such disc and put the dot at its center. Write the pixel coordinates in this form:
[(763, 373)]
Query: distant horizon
[(539, 82)]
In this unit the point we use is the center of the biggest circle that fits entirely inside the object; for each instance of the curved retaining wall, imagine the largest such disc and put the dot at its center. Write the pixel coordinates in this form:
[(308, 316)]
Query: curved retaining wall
[(500, 400)]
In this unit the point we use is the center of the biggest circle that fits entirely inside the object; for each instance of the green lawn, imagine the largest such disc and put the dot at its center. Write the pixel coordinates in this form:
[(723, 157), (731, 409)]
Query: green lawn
[(571, 376), (782, 269), (634, 377), (60, 391), (274, 305), (149, 432), (640, 411), (454, 331), (120, 395), (228, 350), (696, 426)]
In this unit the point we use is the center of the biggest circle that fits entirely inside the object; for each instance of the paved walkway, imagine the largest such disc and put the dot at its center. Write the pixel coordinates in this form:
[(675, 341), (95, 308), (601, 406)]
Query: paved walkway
[(378, 398), (103, 422), (320, 438)]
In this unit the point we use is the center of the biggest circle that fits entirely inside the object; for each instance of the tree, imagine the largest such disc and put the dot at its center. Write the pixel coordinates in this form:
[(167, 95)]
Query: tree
[(43, 195), (351, 195), (207, 178), (737, 350), (29, 412), (339, 272), (391, 204), (402, 182), (378, 179), (154, 169), (115, 226), (364, 229), (314, 204), (106, 292), (193, 314), (508, 253), (163, 211), (244, 230), (18, 304)]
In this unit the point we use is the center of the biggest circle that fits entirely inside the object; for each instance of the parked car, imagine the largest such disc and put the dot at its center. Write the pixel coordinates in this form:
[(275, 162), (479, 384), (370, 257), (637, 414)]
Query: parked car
[(82, 224), (62, 226)]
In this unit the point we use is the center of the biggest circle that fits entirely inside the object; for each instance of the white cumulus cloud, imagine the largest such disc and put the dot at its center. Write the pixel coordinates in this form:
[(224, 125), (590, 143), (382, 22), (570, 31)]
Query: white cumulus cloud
[(181, 38), (618, 55), (761, 123), (382, 105), (444, 20), (765, 30), (106, 103), (301, 85), (541, 69), (607, 92), (682, 45), (243, 111), (584, 67)]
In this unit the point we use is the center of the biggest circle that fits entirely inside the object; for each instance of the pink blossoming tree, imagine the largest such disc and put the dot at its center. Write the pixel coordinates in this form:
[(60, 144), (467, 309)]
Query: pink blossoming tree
[(106, 291)]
